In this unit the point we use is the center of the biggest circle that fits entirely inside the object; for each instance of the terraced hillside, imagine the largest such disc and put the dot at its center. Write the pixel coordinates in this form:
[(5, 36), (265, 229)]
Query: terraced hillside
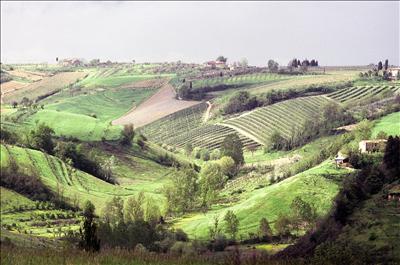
[(239, 80), (209, 136), (356, 93), (175, 124), (283, 117)]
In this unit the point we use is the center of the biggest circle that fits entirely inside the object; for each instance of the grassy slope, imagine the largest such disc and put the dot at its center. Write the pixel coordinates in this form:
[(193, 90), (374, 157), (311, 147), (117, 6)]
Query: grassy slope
[(375, 225), (389, 124), (79, 185), (271, 201)]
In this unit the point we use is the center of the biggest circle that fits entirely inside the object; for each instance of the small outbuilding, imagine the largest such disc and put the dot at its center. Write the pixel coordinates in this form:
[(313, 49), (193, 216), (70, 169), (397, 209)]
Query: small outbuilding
[(341, 159), (370, 146), (394, 193)]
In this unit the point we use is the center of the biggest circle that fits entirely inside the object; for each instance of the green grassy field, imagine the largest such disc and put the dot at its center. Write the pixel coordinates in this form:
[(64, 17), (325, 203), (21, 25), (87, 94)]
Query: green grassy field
[(147, 176), (271, 201), (390, 124)]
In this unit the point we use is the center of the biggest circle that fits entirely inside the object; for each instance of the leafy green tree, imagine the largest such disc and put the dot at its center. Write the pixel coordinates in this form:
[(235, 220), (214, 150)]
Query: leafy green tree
[(215, 230), (212, 179), (127, 135), (222, 59), (113, 212), (264, 229), (182, 192), (381, 135), (233, 147), (231, 224), (205, 154), (88, 232), (283, 225), (228, 166), (152, 214), (391, 156), (41, 138), (215, 154), (303, 212), (188, 149), (273, 66), (276, 141), (134, 208), (196, 152)]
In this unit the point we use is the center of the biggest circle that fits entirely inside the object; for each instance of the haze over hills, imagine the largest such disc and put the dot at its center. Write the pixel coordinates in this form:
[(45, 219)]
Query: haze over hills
[(224, 161)]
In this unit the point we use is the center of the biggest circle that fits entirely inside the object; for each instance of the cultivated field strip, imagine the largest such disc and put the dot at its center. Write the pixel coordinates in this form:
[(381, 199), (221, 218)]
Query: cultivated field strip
[(361, 92), (208, 136), (238, 80), (175, 124), (284, 117)]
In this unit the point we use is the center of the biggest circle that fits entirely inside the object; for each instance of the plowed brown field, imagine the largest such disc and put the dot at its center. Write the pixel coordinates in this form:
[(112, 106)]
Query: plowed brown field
[(159, 105), (44, 86)]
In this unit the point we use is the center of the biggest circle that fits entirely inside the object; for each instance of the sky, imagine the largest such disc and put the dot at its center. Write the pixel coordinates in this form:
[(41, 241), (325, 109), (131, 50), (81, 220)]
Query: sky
[(335, 33)]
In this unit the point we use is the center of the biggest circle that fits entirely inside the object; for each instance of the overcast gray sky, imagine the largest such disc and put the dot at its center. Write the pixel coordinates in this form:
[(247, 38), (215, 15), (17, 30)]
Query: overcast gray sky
[(336, 33)]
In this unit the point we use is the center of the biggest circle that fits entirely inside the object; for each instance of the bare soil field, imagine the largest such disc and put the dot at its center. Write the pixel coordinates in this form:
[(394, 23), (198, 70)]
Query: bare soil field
[(44, 86), (159, 105), (11, 86), (32, 76)]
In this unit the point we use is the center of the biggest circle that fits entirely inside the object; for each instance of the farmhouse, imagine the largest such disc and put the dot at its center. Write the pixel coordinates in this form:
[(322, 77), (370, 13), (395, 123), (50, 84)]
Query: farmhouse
[(372, 145), (394, 72), (71, 62), (341, 158), (215, 64), (394, 193)]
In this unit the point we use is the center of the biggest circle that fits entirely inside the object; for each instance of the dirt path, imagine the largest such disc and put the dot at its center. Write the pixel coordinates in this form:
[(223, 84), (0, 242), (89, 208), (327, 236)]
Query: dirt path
[(207, 113), (157, 106)]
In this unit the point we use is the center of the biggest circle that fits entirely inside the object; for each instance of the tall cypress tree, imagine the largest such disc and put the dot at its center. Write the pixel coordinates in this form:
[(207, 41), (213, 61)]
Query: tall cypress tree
[(89, 240)]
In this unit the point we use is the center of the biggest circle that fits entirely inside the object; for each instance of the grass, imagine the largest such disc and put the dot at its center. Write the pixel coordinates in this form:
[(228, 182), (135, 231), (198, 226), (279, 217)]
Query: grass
[(78, 185), (271, 201), (390, 124)]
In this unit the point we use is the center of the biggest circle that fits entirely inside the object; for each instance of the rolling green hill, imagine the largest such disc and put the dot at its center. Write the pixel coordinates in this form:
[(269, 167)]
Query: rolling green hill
[(312, 185)]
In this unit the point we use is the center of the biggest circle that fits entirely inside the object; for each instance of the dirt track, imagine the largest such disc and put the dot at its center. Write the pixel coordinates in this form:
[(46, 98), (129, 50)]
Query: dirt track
[(157, 106)]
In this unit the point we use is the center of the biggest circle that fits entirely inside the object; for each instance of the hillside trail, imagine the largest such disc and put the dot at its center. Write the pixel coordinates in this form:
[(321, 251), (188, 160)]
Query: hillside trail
[(207, 113)]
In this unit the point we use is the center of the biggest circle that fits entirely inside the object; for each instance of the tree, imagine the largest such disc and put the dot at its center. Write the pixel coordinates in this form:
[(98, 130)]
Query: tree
[(182, 192), (303, 212), (113, 212), (41, 138), (273, 66), (152, 213), (380, 66), (231, 224), (227, 166), (264, 229), (391, 156), (244, 62), (14, 104), (107, 167), (233, 147), (222, 59), (188, 149), (134, 208), (214, 230), (282, 225), (215, 154), (276, 141), (212, 179), (381, 135), (127, 135), (205, 154), (88, 232), (386, 64)]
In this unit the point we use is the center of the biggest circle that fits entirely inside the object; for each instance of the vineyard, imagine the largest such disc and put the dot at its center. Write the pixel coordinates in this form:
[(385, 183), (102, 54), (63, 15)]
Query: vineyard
[(186, 126), (175, 124), (239, 80), (283, 117), (357, 93), (209, 136)]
